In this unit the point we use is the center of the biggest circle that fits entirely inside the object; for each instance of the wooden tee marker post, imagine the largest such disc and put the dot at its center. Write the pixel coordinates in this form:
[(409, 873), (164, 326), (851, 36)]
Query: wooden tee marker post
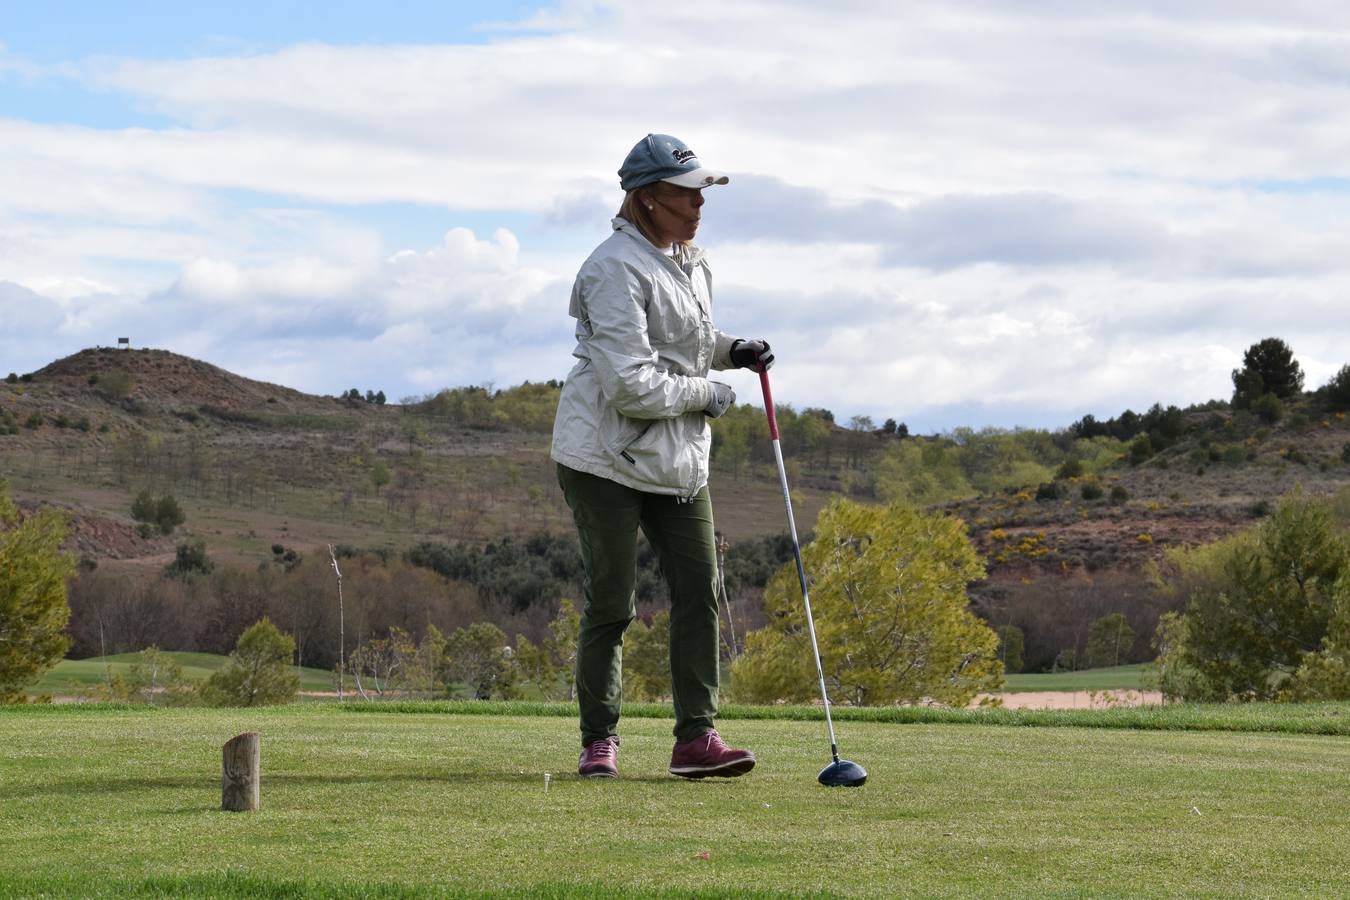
[(241, 759)]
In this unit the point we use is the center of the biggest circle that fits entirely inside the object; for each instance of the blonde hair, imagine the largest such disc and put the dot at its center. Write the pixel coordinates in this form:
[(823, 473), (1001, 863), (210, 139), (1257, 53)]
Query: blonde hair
[(634, 208)]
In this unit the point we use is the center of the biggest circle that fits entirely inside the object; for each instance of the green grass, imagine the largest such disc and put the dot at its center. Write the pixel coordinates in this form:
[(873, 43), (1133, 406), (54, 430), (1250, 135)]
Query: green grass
[(70, 675), (426, 801), (199, 666), (1330, 718), (1121, 678)]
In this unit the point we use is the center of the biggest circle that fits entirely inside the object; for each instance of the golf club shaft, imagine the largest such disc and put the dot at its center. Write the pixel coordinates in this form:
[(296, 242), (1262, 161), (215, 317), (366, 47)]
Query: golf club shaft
[(797, 554)]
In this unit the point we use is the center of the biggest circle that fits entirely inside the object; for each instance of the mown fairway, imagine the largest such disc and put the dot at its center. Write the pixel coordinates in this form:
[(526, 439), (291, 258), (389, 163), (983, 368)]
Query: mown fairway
[(1116, 678), (114, 802), (72, 676)]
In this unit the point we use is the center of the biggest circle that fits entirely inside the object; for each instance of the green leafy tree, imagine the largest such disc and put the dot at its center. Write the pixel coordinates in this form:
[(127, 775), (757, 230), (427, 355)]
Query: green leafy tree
[(646, 659), (1337, 390), (379, 475), (471, 406), (563, 633), (801, 434), (1011, 646), (1109, 640), (33, 606), (1268, 408), (190, 559), (143, 507), (1171, 672), (527, 407), (425, 674), (157, 678), (922, 472), (995, 459), (168, 514), (162, 513), (1141, 449), (1324, 673), (478, 657), (1071, 468), (888, 587), (1268, 367), (1256, 603), (734, 434), (549, 665), (386, 665), (535, 665), (414, 432), (259, 672)]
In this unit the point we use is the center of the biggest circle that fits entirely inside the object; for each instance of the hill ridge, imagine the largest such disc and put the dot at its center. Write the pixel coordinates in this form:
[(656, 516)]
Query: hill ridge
[(163, 377)]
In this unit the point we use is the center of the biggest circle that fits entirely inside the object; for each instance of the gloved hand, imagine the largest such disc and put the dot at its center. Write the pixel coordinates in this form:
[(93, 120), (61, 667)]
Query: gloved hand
[(751, 354), (722, 398)]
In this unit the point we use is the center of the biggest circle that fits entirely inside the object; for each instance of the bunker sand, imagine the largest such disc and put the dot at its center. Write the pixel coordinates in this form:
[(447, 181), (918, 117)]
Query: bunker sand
[(1074, 699)]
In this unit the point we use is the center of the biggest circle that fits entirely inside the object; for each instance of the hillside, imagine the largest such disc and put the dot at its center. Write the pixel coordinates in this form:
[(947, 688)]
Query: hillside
[(257, 465), (254, 462), (165, 382)]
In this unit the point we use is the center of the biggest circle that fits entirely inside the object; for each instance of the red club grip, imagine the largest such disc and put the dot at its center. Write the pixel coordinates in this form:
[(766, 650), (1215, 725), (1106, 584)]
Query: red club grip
[(768, 403)]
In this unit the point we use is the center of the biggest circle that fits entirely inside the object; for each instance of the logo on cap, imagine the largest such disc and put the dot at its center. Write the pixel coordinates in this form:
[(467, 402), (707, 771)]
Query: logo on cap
[(683, 156)]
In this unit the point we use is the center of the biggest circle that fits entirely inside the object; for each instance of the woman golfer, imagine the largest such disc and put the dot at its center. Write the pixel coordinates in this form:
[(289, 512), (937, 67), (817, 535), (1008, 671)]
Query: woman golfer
[(631, 440)]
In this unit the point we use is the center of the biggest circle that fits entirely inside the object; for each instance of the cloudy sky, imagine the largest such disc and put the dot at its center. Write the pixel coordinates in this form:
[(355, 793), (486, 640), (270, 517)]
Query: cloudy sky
[(978, 213)]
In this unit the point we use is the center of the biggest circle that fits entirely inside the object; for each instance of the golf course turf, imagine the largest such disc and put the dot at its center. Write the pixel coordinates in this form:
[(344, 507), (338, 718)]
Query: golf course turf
[(426, 800)]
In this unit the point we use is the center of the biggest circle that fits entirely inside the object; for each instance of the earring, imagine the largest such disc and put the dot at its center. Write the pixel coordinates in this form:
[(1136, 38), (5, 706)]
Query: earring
[(650, 207)]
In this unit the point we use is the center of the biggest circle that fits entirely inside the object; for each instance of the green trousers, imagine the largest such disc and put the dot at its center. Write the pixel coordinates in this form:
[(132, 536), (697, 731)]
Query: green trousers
[(608, 516)]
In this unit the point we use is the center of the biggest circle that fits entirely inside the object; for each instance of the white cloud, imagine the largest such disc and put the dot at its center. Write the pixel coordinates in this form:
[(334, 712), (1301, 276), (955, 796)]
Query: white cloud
[(984, 206), (467, 310)]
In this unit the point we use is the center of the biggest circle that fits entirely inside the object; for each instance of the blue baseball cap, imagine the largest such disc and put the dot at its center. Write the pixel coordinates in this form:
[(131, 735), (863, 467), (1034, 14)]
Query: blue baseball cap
[(660, 157)]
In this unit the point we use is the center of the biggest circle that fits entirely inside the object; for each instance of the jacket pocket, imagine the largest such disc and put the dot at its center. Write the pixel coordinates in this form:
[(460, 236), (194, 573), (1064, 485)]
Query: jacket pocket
[(671, 318), (665, 455), (618, 431)]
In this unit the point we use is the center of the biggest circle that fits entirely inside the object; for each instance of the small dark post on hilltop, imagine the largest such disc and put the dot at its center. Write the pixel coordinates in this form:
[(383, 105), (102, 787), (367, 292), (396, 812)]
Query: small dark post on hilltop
[(239, 777)]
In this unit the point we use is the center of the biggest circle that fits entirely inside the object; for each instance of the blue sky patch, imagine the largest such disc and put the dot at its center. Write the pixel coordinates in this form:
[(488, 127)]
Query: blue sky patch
[(60, 31)]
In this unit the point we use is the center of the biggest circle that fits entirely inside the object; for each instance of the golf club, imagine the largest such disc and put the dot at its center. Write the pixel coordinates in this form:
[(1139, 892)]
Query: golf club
[(841, 772)]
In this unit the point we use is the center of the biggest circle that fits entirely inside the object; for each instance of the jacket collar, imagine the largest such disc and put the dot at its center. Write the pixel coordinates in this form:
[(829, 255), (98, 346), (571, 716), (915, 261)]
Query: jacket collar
[(692, 258)]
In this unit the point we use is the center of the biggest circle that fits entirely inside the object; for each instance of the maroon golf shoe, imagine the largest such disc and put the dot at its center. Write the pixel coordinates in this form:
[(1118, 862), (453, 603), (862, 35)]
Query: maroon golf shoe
[(600, 759), (708, 756)]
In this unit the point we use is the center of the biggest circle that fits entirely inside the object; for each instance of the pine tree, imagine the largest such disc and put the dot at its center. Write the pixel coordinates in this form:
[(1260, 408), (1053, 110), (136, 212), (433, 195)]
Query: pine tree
[(479, 658), (33, 607), (1268, 367), (259, 672)]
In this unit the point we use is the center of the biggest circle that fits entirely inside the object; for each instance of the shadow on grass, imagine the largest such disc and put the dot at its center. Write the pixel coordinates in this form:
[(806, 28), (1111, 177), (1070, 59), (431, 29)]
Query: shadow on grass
[(104, 786), (245, 886)]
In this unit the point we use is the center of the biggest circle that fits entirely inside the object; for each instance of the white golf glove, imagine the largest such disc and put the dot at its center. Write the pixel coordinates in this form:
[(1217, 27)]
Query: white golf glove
[(722, 398)]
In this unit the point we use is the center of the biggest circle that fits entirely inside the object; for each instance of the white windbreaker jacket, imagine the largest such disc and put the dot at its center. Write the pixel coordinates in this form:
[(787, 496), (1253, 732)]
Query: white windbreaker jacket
[(631, 409)]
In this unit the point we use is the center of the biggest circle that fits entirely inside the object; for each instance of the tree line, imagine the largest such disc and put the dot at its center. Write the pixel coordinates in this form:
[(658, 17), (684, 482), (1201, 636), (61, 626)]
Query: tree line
[(516, 585)]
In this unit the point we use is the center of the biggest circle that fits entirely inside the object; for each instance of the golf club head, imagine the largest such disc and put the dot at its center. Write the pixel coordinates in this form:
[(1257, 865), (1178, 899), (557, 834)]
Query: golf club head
[(842, 773)]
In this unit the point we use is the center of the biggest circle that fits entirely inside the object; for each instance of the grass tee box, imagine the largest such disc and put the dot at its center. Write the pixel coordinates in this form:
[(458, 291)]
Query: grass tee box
[(425, 801)]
